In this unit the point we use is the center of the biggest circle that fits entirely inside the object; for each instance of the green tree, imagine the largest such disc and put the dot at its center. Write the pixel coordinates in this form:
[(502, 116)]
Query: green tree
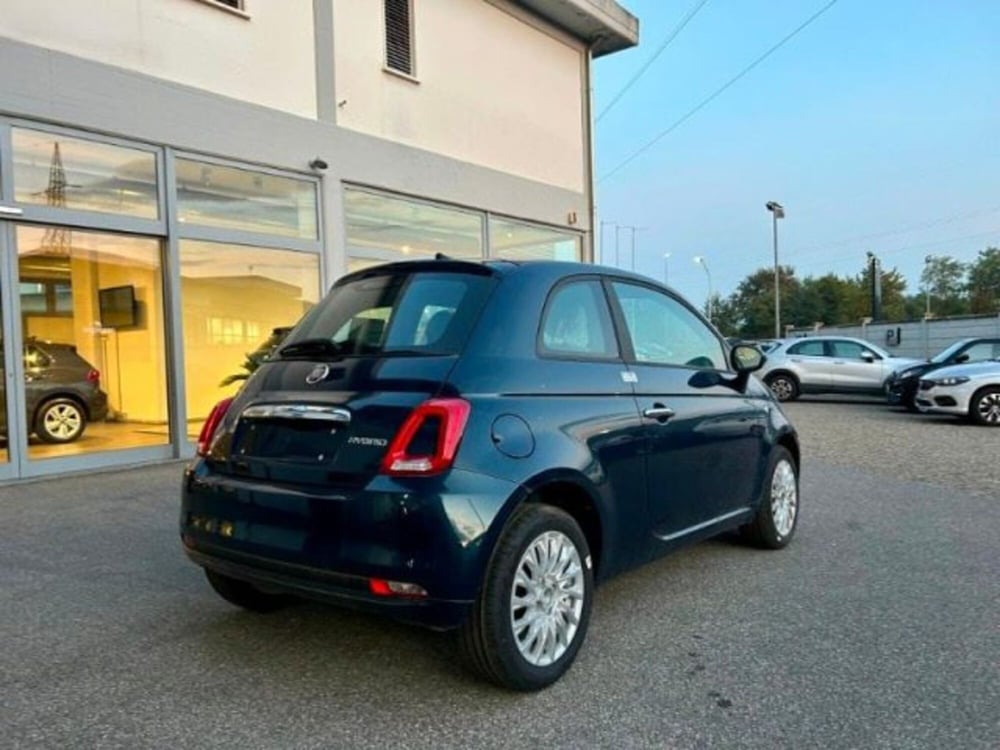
[(752, 304), (943, 278), (829, 300), (726, 316), (984, 282), (893, 296)]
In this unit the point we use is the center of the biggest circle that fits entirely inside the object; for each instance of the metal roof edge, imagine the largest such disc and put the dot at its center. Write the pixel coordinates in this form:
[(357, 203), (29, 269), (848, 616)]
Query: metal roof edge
[(604, 25)]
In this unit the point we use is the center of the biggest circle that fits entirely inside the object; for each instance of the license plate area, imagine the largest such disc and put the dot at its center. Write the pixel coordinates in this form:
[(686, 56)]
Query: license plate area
[(296, 440)]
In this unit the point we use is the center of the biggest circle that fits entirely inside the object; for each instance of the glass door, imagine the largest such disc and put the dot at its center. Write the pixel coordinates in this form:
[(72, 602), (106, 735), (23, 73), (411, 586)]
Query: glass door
[(91, 314)]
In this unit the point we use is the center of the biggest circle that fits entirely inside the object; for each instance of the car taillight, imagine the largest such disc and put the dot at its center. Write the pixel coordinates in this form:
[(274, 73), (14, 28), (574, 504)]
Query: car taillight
[(211, 424), (428, 440), (382, 587), (94, 376)]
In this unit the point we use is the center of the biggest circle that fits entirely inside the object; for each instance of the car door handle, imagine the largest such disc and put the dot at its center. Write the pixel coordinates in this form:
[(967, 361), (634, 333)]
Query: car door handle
[(659, 412)]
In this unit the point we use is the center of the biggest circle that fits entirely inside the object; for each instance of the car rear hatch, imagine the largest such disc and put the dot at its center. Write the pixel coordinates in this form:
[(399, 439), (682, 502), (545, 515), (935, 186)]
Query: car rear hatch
[(321, 413)]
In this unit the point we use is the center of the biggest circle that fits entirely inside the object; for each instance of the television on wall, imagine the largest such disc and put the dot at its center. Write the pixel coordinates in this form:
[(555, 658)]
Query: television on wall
[(117, 305)]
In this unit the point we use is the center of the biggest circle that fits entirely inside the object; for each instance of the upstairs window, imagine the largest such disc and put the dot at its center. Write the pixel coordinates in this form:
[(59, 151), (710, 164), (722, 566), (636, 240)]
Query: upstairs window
[(399, 36)]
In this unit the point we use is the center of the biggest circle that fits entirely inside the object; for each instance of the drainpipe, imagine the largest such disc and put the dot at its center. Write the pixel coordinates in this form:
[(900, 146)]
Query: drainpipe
[(588, 99)]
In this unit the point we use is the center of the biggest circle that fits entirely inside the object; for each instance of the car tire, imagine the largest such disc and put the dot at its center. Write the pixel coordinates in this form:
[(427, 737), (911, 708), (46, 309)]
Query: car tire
[(244, 594), (984, 406), (783, 387), (778, 510), (60, 420), (540, 572)]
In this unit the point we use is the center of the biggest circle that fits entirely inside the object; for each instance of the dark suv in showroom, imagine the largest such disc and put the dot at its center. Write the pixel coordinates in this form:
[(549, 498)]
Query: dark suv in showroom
[(475, 445), (62, 392)]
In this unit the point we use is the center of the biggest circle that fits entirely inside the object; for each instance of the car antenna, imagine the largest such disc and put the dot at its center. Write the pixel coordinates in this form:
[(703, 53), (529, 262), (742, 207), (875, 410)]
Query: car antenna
[(442, 256)]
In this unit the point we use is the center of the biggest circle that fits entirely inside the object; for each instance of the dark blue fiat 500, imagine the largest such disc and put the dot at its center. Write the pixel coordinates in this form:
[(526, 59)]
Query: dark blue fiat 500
[(474, 446)]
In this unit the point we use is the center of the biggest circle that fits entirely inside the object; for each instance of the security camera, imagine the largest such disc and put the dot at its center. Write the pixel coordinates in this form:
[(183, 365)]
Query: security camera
[(318, 164)]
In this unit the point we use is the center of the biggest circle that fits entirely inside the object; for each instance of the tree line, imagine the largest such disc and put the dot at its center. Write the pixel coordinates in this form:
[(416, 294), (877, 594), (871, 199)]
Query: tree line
[(947, 286)]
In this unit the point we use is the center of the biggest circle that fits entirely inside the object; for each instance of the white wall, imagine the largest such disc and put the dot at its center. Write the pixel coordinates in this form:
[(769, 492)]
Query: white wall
[(493, 89), (268, 59)]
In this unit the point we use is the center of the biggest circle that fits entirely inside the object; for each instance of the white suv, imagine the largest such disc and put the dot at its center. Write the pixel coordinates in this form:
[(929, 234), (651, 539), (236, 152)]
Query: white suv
[(828, 364)]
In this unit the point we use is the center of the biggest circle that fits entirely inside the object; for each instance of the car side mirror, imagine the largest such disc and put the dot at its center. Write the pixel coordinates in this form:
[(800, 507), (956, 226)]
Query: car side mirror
[(747, 358), (868, 357), (962, 358)]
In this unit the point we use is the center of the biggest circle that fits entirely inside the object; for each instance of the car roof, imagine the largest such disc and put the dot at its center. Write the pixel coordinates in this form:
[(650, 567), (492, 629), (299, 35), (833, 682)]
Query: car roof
[(826, 337), (551, 269)]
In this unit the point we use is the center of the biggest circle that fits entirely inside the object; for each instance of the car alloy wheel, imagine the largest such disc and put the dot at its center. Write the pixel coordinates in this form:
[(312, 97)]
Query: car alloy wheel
[(986, 407), (778, 512), (60, 421), (530, 619), (783, 388), (546, 599), (784, 497)]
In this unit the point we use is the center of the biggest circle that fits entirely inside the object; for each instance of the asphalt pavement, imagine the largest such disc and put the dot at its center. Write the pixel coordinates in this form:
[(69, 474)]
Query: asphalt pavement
[(879, 627)]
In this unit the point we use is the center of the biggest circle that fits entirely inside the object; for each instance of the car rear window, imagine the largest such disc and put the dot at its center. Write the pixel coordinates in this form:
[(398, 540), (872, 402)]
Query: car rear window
[(396, 313)]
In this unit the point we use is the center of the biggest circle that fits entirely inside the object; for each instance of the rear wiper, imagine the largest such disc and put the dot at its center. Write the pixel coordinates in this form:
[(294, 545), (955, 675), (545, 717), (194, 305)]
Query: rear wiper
[(310, 347)]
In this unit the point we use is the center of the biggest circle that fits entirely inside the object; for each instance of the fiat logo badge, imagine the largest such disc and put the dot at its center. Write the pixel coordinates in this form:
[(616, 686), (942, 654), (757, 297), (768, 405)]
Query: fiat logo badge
[(319, 372)]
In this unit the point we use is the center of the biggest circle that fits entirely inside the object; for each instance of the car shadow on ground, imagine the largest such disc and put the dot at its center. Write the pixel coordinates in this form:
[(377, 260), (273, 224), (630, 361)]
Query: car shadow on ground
[(316, 644)]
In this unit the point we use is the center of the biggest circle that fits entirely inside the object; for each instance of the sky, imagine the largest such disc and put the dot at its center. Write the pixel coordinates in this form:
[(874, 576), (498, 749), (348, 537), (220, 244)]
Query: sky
[(877, 127)]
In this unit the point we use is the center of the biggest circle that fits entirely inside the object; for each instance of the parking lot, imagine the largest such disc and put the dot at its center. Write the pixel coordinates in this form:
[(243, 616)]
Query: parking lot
[(866, 434), (876, 628)]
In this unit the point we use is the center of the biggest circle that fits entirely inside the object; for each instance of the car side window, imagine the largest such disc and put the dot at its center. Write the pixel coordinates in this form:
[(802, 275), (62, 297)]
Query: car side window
[(35, 358), (577, 322), (981, 352), (665, 332), (808, 349), (851, 350)]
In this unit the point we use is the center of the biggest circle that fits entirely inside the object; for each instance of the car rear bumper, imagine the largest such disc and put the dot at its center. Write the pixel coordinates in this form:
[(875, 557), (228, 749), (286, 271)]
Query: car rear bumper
[(97, 406), (342, 590), (327, 543)]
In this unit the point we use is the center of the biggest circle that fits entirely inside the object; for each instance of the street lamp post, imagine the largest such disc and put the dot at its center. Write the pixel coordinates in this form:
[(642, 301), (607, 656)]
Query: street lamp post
[(777, 212), (927, 287), (666, 270), (634, 230), (700, 260)]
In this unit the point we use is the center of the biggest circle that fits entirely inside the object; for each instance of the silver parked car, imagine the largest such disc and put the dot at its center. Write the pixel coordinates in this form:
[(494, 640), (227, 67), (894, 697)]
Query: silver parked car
[(971, 391), (828, 364)]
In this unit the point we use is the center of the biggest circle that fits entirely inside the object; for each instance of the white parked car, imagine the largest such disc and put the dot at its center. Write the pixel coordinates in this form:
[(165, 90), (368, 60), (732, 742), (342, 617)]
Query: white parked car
[(963, 390)]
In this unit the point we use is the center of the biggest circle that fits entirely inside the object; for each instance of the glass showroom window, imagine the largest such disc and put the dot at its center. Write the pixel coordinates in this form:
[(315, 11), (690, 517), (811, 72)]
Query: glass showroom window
[(212, 195), (59, 171), (381, 229), (514, 240), (92, 320), (233, 297)]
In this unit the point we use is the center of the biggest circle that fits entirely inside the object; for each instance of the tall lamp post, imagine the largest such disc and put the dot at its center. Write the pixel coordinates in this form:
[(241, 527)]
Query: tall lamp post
[(634, 230), (700, 260), (927, 287), (666, 269), (777, 212)]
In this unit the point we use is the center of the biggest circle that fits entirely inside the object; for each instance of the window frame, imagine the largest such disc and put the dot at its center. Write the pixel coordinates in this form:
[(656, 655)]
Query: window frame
[(543, 352), (823, 345), (411, 74), (77, 218), (239, 10), (876, 357), (625, 336)]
